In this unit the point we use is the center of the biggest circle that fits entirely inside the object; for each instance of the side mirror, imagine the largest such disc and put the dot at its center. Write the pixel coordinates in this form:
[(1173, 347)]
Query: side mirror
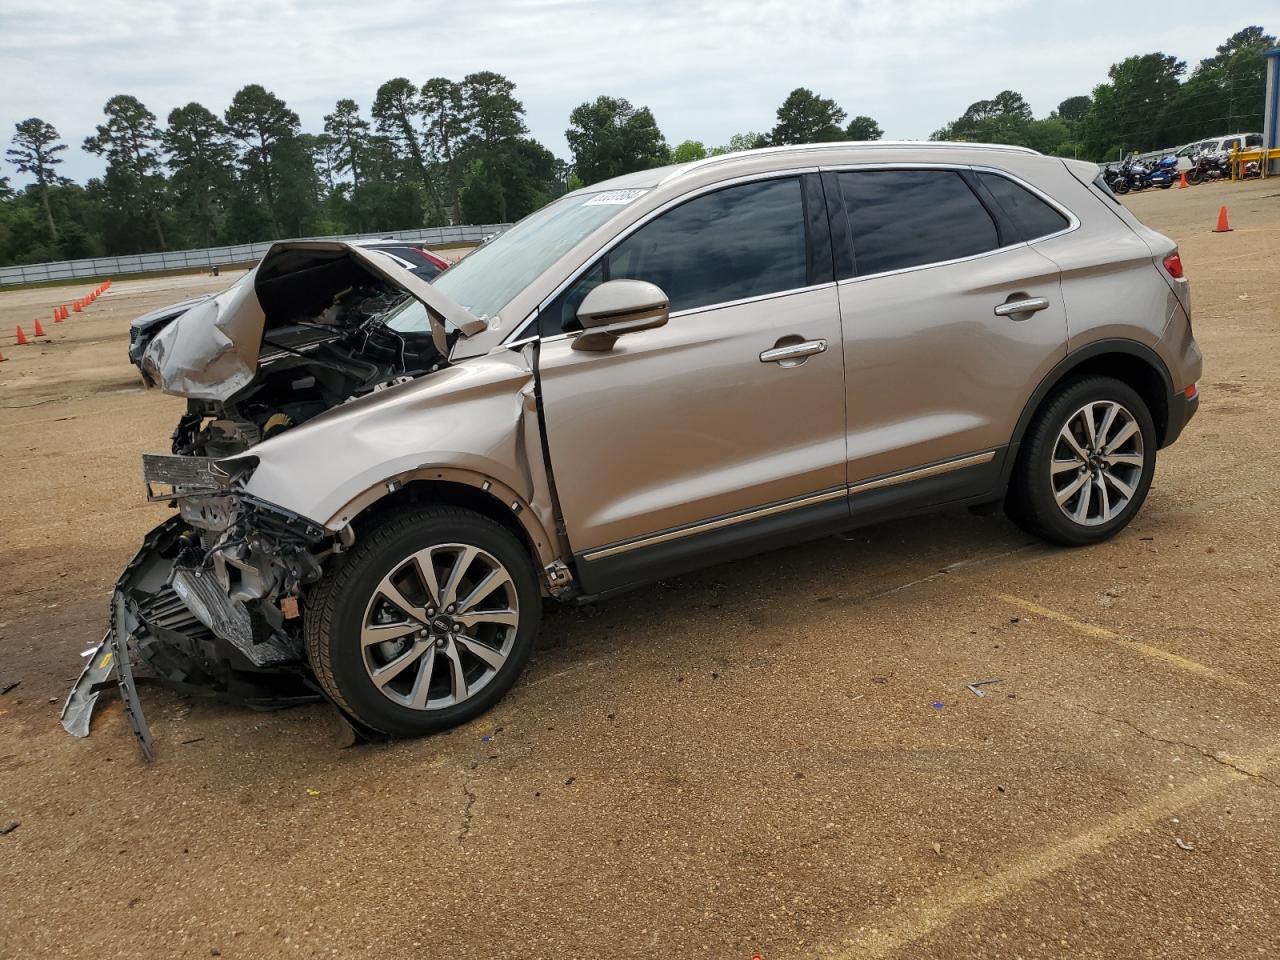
[(618, 307)]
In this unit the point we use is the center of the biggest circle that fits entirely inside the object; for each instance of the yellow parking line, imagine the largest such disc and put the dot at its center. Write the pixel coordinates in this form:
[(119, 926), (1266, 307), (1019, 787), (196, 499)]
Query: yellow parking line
[(1146, 649), (911, 922)]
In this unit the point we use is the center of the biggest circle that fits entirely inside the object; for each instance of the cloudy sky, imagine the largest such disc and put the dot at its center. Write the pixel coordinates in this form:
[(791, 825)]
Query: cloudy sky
[(706, 69)]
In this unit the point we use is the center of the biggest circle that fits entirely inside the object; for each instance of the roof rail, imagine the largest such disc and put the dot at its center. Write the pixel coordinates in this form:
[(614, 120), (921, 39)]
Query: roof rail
[(681, 170)]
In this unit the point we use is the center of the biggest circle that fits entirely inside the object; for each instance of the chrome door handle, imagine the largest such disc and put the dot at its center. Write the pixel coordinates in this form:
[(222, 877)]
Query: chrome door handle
[(793, 351), (1030, 305)]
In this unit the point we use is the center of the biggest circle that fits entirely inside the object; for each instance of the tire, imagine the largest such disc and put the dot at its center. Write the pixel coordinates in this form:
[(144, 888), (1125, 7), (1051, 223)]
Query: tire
[(1124, 461), (1194, 175), (1121, 186), (427, 653)]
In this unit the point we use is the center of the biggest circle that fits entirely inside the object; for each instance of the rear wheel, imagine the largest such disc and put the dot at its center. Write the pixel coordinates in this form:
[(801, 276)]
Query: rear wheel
[(1086, 463), (427, 622)]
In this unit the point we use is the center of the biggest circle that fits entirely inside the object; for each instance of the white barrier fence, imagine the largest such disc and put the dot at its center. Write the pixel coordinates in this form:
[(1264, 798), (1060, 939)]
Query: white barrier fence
[(219, 256)]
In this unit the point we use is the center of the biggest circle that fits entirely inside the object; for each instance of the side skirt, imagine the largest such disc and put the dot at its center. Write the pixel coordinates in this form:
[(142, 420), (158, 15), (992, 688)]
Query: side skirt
[(966, 480)]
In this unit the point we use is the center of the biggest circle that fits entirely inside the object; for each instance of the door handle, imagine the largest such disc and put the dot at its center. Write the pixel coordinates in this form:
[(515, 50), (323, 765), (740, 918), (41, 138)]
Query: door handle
[(1029, 305), (793, 352)]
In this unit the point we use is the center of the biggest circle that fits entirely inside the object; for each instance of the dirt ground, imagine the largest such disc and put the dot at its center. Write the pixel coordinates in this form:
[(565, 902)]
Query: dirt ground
[(776, 756)]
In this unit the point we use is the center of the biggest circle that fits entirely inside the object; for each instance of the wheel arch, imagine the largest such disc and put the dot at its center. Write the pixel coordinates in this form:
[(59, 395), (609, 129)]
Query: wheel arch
[(460, 488), (1128, 361)]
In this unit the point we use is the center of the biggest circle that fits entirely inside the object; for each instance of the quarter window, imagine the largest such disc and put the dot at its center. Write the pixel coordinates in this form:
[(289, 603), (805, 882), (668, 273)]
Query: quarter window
[(1030, 215), (906, 218), (740, 242)]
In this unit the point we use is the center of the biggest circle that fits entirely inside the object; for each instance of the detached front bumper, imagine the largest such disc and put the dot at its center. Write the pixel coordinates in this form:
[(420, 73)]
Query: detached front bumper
[(207, 613)]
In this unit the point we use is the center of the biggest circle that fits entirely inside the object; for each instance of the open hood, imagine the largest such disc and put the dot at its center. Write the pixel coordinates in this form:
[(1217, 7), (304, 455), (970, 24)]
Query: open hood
[(211, 351)]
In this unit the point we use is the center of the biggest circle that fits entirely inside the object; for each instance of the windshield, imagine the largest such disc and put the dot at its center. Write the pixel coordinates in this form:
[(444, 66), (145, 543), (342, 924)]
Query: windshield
[(489, 278)]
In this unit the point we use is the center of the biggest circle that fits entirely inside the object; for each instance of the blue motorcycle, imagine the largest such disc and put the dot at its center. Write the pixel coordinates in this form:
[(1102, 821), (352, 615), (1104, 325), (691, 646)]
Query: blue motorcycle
[(1165, 173)]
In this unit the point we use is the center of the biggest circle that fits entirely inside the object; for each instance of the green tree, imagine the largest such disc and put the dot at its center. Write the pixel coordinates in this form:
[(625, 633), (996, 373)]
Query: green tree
[(1074, 108), (397, 109), (740, 142), (266, 126), (1127, 111), (350, 136), (35, 151), (688, 151), (863, 128), (1224, 93), (130, 140), (200, 161), (805, 117), (446, 126), (609, 137), (1002, 119)]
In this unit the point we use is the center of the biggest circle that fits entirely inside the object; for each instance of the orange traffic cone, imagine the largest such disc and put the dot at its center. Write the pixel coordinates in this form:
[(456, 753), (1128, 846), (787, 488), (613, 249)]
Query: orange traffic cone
[(57, 315), (1182, 180), (22, 337), (76, 306), (1223, 226), (65, 312), (39, 329)]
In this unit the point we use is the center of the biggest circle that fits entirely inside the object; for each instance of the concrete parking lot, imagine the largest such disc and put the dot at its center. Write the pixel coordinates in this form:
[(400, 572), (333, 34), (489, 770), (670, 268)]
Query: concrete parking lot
[(779, 756)]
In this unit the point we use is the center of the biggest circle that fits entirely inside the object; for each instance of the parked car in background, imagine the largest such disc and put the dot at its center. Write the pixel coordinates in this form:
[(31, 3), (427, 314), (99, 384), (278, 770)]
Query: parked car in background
[(1224, 144), (380, 480), (414, 257)]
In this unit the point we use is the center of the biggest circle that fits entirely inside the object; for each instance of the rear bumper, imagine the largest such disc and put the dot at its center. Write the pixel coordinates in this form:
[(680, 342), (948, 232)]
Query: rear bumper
[(1181, 409)]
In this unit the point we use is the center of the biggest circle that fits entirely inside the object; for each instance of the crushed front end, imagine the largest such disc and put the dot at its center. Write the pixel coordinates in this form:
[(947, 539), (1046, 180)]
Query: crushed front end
[(212, 604)]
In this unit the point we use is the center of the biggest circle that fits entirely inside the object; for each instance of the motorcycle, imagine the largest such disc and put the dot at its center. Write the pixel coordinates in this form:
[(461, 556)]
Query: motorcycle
[(1165, 173), (1209, 166), (1131, 176)]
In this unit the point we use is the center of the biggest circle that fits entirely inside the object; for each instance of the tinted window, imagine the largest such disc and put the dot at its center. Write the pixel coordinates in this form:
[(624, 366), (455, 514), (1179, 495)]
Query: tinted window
[(1030, 215), (1253, 140), (905, 218), (740, 242)]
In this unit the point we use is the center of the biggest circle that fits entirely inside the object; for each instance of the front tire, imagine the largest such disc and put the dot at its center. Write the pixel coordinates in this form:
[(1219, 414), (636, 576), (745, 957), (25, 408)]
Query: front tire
[(1086, 463), (426, 623), (1121, 186)]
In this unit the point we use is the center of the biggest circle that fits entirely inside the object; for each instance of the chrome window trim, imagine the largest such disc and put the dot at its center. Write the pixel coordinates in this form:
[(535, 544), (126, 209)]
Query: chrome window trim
[(648, 217), (1073, 222), (782, 506)]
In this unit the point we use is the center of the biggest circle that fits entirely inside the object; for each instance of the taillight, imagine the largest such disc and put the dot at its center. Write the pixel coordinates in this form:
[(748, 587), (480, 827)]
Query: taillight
[(1173, 264), (440, 262)]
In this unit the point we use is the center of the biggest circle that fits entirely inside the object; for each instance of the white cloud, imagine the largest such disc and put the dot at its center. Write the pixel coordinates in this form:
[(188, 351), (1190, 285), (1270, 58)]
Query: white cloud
[(707, 69)]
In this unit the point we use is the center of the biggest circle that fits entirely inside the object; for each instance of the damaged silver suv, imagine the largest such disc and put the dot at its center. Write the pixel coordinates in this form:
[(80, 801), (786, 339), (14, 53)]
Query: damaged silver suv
[(379, 480)]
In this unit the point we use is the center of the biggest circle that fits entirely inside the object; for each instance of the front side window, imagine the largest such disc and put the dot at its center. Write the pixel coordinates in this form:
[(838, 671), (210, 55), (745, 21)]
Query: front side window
[(739, 242), (1031, 216), (908, 218)]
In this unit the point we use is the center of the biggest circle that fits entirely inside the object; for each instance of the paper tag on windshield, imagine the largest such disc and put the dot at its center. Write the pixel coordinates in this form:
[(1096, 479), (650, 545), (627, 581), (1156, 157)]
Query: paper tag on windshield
[(615, 198)]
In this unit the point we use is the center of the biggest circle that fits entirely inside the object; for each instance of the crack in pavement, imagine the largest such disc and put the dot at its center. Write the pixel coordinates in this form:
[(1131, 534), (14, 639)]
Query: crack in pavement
[(470, 794), (1217, 756)]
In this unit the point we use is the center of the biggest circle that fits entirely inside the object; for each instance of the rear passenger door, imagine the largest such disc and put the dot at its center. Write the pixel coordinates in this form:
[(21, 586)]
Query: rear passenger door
[(939, 357)]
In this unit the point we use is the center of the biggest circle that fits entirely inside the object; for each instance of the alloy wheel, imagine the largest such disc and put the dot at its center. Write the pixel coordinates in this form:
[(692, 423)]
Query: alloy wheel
[(1097, 463), (439, 626)]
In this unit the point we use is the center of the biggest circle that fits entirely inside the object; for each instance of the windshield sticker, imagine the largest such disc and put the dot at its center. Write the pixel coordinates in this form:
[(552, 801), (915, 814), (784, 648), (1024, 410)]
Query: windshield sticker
[(614, 198)]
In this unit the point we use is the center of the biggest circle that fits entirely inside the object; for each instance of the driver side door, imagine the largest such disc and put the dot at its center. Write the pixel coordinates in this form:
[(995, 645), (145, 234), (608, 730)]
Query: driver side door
[(698, 440)]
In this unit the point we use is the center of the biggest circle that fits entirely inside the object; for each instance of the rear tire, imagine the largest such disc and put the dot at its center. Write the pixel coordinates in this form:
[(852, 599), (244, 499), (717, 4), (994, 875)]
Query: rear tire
[(1085, 464), (426, 623)]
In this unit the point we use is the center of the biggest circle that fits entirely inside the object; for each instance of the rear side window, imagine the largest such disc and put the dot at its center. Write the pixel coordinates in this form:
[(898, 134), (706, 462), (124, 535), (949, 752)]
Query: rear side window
[(906, 218), (1030, 215)]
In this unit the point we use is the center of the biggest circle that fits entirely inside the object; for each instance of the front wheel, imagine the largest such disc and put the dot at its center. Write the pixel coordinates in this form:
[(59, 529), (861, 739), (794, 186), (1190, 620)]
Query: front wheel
[(426, 623), (1194, 175), (1121, 186), (1086, 463)]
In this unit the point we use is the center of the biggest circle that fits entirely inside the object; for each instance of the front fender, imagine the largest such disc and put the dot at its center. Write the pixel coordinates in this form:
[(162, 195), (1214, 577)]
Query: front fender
[(477, 418)]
